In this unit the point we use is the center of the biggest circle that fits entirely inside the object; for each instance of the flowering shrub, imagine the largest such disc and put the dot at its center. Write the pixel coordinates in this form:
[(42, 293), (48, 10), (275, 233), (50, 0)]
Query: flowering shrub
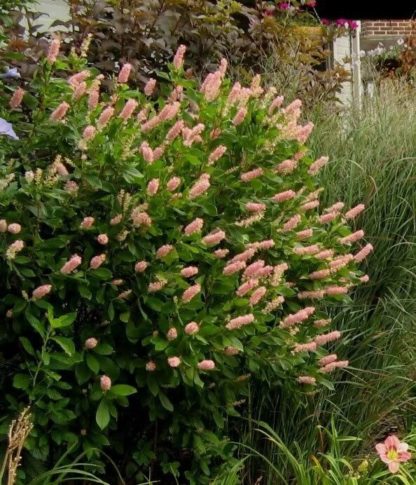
[(155, 252)]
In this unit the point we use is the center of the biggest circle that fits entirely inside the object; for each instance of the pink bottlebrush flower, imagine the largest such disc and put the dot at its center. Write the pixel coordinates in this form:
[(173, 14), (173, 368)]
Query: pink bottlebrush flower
[(193, 227), (3, 225), (14, 248), (53, 50), (102, 239), (206, 365), (214, 237), (308, 380), (340, 262), (317, 294), (71, 264), (174, 362), (339, 364), (320, 274), (87, 223), (276, 103), (149, 87), (175, 131), (244, 256), (60, 168), (156, 286), (151, 124), (146, 152), (41, 291), (158, 152), (14, 228), (292, 223), (191, 328), (322, 323), (179, 57), (317, 165), (152, 187), (338, 206), (93, 98), (190, 293), (253, 269), (259, 245), (211, 86), (173, 184), (393, 452), (97, 261), (150, 366), (363, 253), (124, 295), (255, 207), (141, 266), (307, 250), (265, 271), (234, 94), (305, 234), (105, 116), (247, 286), (232, 268), (238, 322), (223, 66), (216, 154), (215, 133), (60, 112), (142, 115), (336, 290), (78, 78), (105, 383), (304, 132), (116, 220), (91, 343), (272, 305), (327, 337), (176, 94), (89, 133), (325, 218), (325, 254), (163, 251), (239, 117), (293, 106), (16, 99), (192, 136), (283, 196), (257, 295), (169, 111), (124, 73), (221, 253), (71, 187), (308, 347), (80, 90), (189, 271), (128, 109), (252, 174), (278, 271), (231, 351), (140, 218), (328, 359), (310, 205), (355, 236), (298, 317), (365, 278), (172, 334), (355, 211)]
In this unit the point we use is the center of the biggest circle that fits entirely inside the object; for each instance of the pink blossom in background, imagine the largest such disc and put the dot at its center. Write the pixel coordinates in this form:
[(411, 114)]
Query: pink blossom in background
[(14, 248), (71, 264), (146, 152), (117, 282), (216, 154), (128, 109), (283, 196), (153, 187), (16, 99), (339, 364), (105, 116), (150, 124), (193, 227), (214, 237), (175, 131), (232, 268), (156, 286), (238, 322), (327, 337), (252, 174), (191, 136), (142, 115), (87, 223), (206, 365), (116, 220), (93, 98), (150, 87), (190, 293), (255, 207), (150, 366), (174, 362), (211, 86), (355, 211), (293, 107), (97, 261), (79, 91), (292, 223), (191, 328), (124, 295), (244, 256), (172, 334), (317, 165), (163, 251), (307, 250), (60, 111), (140, 218), (313, 204), (320, 274), (363, 253), (298, 317), (253, 269), (179, 57), (257, 295), (105, 383), (41, 291), (53, 51), (89, 133), (124, 73), (308, 380), (325, 218), (223, 66), (325, 254), (221, 253), (14, 228), (265, 271), (169, 111), (355, 236), (275, 104), (365, 278), (158, 152), (78, 78), (308, 347), (176, 94), (189, 271), (261, 245), (305, 234), (230, 351), (393, 452), (141, 266), (173, 184), (317, 294), (322, 323), (338, 206), (102, 239), (328, 359), (341, 261), (91, 343), (239, 117), (3, 225)]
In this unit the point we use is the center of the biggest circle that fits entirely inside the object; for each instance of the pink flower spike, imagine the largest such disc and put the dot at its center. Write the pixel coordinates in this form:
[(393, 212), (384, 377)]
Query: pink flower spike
[(255, 207), (252, 174), (150, 87), (102, 239), (16, 99), (41, 291), (116, 220), (53, 50), (244, 256), (173, 184), (338, 206), (163, 251), (355, 236), (238, 322), (355, 211), (308, 347), (60, 112), (87, 223), (206, 365), (393, 452), (174, 362), (191, 328), (97, 261), (93, 98), (216, 154), (232, 268), (152, 187), (141, 266), (128, 109), (90, 343), (363, 253), (214, 238), (189, 271), (172, 334), (283, 196), (325, 218), (287, 166), (175, 131), (105, 117), (365, 278), (105, 383), (221, 253), (124, 73), (190, 293), (305, 234), (327, 337), (328, 359), (156, 286), (193, 227), (339, 364), (146, 152), (80, 90), (200, 187), (317, 165), (292, 223), (308, 380), (239, 117), (14, 228), (89, 133), (246, 287), (257, 295), (320, 274), (313, 204), (179, 56), (276, 103), (71, 264)]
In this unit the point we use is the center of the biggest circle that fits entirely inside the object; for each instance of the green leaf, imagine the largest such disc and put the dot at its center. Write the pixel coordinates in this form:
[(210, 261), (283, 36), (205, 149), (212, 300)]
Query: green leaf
[(123, 390), (104, 349), (66, 344), (35, 323), (93, 363), (102, 273), (124, 317), (21, 381), (27, 345), (102, 416), (63, 320), (165, 402)]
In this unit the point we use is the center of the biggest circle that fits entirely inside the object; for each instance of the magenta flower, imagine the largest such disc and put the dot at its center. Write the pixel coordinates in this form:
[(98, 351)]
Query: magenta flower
[(393, 452), (284, 6)]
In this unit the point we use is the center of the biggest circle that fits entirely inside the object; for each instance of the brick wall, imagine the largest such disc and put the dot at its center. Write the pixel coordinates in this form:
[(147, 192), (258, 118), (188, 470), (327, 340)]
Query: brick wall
[(399, 28)]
